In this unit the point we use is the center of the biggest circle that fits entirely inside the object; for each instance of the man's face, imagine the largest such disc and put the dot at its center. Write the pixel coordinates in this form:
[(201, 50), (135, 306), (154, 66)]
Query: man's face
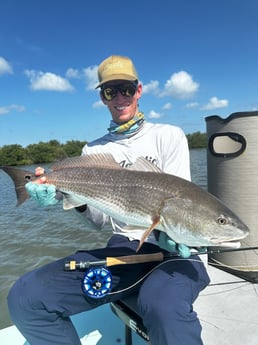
[(118, 96)]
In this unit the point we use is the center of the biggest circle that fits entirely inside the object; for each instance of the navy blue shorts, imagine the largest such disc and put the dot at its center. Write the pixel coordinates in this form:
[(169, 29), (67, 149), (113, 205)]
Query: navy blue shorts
[(42, 301)]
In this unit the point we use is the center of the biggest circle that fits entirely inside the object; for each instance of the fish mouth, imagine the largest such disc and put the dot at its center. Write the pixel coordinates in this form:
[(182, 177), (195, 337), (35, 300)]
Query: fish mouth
[(230, 244), (230, 241)]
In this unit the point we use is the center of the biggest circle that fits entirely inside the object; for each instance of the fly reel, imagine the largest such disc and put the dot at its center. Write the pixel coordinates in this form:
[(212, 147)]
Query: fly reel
[(97, 282)]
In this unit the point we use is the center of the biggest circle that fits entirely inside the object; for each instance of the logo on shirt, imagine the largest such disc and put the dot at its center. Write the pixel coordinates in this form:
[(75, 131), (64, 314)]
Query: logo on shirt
[(125, 163)]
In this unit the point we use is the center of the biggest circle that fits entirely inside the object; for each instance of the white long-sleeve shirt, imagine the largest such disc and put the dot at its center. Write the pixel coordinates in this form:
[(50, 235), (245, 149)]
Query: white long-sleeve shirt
[(163, 145)]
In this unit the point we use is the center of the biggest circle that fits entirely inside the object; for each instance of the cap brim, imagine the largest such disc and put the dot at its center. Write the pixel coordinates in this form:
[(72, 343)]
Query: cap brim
[(125, 77)]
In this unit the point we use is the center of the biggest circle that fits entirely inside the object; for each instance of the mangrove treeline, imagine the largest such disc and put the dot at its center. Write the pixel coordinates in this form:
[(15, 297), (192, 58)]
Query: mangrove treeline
[(53, 150)]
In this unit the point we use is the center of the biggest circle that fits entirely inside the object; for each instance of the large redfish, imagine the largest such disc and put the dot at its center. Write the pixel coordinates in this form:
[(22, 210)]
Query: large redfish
[(141, 196)]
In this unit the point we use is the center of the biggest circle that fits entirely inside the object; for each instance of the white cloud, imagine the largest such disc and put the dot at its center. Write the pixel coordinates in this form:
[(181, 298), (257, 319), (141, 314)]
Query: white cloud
[(180, 85), (7, 109), (91, 77), (167, 106), (154, 115), (215, 103), (72, 73), (192, 105), (88, 74), (98, 104), (152, 87), (47, 81), (5, 67)]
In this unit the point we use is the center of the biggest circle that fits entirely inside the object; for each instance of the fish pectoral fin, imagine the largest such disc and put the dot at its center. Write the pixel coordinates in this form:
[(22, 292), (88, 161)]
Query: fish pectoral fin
[(72, 201), (148, 232)]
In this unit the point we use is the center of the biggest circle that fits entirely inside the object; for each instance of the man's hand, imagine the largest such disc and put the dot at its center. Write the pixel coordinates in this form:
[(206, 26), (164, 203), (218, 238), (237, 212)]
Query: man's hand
[(166, 243), (44, 194)]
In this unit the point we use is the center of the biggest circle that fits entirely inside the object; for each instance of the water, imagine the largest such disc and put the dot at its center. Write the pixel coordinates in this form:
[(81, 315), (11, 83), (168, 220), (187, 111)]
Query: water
[(32, 236)]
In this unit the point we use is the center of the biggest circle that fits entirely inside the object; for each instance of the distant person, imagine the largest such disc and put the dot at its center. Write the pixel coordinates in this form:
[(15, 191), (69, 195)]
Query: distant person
[(42, 301)]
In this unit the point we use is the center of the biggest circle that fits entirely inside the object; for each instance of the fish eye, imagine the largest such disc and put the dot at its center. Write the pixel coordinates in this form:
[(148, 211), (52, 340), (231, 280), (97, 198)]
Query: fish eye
[(27, 177), (222, 220)]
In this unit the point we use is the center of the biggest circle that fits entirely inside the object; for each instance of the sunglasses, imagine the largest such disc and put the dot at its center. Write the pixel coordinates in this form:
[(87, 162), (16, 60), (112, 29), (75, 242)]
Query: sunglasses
[(126, 89)]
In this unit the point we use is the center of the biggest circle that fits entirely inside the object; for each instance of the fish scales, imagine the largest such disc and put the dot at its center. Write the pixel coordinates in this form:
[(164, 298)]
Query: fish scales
[(134, 194)]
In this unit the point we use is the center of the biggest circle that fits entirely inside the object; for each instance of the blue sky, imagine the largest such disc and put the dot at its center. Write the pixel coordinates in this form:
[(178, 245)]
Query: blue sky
[(195, 58)]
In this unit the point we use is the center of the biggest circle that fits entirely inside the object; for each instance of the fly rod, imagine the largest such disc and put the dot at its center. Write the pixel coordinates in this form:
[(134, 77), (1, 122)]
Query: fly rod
[(73, 265)]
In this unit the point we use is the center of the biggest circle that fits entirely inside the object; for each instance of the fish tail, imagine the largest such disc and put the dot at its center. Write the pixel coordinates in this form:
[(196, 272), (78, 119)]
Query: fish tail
[(20, 178)]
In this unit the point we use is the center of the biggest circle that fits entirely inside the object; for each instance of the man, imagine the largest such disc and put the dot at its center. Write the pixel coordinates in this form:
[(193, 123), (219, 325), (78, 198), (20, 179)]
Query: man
[(42, 301)]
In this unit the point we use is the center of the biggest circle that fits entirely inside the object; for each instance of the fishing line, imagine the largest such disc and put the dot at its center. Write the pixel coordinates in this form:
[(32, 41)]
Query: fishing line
[(148, 273), (169, 260), (240, 268), (206, 294)]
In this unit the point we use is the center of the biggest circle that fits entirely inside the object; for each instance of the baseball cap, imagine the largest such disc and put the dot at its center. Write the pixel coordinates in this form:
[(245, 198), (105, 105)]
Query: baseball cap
[(116, 67)]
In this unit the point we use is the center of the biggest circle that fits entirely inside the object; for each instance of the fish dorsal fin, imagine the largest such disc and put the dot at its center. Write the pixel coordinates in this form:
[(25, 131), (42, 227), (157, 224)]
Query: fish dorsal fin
[(141, 164), (96, 160), (103, 160)]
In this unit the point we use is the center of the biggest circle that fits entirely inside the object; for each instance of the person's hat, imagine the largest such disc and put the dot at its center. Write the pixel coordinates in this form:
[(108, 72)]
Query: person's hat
[(116, 67)]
